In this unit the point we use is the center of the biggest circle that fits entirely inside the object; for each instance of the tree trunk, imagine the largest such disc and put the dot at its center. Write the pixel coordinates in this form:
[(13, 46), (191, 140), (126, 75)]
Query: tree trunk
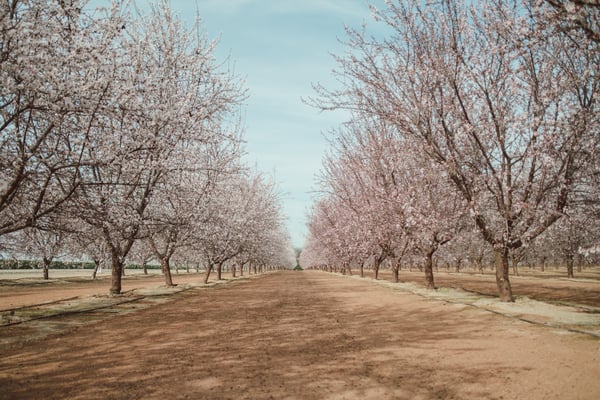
[(543, 266), (395, 270), (376, 270), (362, 270), (117, 273), (47, 262), (514, 262), (242, 269), (96, 268), (207, 272), (502, 280), (395, 275), (233, 270), (166, 269), (570, 263), (219, 270), (145, 266), (429, 283)]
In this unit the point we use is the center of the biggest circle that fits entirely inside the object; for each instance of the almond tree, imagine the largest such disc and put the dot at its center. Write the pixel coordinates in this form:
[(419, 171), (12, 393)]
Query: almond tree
[(410, 204), (82, 242), (568, 239), (508, 111), (435, 213), (141, 254), (578, 17), (168, 96), (43, 245), (265, 238), (179, 202), (240, 215), (52, 91), (361, 178)]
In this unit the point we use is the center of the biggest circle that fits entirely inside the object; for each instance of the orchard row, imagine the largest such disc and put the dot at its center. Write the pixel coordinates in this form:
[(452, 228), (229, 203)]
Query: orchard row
[(474, 138), (120, 136)]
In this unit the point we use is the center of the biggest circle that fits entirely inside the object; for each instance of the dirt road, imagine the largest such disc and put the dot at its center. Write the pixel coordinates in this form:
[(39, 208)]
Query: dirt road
[(303, 335)]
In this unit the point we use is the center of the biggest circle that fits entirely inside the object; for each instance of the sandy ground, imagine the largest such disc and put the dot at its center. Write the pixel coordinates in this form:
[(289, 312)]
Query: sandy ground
[(301, 335)]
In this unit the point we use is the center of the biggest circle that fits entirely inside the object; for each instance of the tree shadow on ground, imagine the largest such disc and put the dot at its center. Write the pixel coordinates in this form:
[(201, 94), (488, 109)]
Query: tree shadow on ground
[(284, 336)]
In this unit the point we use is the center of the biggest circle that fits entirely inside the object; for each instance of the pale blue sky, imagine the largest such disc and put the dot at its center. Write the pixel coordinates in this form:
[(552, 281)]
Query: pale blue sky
[(281, 47)]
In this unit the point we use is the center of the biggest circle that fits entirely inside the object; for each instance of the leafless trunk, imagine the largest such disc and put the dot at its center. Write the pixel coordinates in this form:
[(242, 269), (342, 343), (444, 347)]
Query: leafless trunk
[(502, 279), (543, 264), (46, 267), (207, 272), (219, 270), (117, 273), (429, 267), (166, 269), (96, 267), (395, 270), (233, 270), (362, 269), (515, 266), (570, 264)]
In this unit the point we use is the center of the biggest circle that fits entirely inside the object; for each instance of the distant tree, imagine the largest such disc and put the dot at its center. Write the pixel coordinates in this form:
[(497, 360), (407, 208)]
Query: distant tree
[(42, 245)]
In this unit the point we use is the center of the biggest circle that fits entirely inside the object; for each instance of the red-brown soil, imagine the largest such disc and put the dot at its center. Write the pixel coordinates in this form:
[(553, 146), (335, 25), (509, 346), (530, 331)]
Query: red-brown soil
[(301, 335), (22, 292), (544, 287)]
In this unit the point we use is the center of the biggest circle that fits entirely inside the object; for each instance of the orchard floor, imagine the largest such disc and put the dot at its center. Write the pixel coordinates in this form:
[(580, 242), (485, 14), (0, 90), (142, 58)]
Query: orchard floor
[(300, 335), (23, 288)]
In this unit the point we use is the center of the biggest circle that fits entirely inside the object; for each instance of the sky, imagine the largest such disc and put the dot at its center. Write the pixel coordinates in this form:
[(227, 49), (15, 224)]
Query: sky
[(280, 48)]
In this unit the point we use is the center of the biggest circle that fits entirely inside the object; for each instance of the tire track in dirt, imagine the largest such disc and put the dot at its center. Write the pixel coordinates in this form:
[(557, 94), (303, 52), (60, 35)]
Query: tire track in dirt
[(303, 335)]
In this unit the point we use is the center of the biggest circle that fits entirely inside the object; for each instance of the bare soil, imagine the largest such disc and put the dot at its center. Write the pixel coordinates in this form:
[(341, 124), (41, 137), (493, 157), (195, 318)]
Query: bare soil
[(300, 335), (550, 286), (27, 291)]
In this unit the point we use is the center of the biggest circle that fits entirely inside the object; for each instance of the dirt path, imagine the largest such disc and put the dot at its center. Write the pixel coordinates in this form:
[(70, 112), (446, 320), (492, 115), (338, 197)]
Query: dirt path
[(304, 335)]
